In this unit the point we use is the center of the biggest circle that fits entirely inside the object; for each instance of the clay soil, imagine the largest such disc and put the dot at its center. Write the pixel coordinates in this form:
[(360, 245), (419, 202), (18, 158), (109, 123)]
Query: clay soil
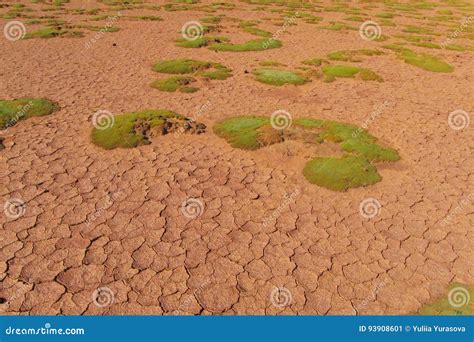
[(100, 218)]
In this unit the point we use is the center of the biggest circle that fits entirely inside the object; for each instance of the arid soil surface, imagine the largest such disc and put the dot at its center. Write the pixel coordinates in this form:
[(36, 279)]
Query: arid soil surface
[(110, 222)]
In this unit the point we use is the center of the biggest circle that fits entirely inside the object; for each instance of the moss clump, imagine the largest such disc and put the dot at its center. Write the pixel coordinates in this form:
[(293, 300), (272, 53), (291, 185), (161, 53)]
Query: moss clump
[(250, 27), (171, 84), (11, 111), (200, 42), (331, 72), (442, 305), (251, 45), (207, 70), (314, 61), (181, 66), (279, 77), (352, 55), (269, 63), (123, 132), (242, 131), (424, 61), (354, 169), (340, 174), (189, 66)]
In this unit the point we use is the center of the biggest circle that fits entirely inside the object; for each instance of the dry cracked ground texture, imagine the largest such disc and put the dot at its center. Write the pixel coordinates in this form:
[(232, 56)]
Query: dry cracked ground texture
[(113, 219)]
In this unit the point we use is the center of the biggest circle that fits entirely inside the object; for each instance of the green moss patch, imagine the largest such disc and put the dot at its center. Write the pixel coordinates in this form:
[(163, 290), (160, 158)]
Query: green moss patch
[(279, 77), (352, 55), (331, 72), (11, 111), (250, 27), (174, 83), (461, 295), (251, 45), (137, 128), (354, 169), (421, 60), (200, 42), (203, 69), (340, 174)]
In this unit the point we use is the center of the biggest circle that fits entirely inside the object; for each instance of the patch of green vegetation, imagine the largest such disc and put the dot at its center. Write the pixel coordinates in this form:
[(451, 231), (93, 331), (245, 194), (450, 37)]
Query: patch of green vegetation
[(355, 18), (337, 26), (423, 60), (122, 132), (331, 72), (313, 61), (354, 169), (200, 42), (48, 32), (211, 20), (145, 18), (386, 15), (11, 111), (251, 45), (427, 45), (352, 55), (171, 84), (442, 305), (181, 66), (340, 174), (207, 70), (419, 30), (242, 131), (250, 27), (279, 77), (269, 63)]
